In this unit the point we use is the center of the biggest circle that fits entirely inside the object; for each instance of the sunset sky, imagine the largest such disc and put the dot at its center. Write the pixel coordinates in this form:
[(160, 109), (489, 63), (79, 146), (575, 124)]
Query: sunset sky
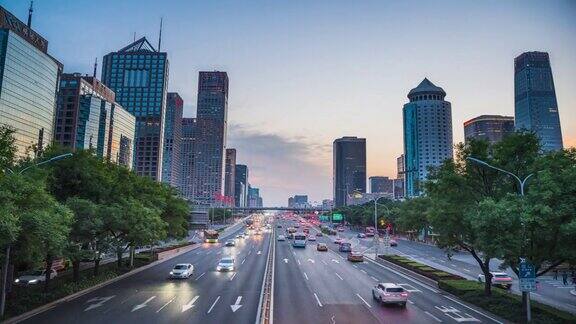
[(303, 73)]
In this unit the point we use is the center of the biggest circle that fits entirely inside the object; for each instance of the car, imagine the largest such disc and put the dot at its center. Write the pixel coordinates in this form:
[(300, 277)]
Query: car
[(393, 242), (35, 277), (319, 234), (239, 236), (230, 243), (389, 293), (355, 256), (321, 247), (369, 234), (281, 237), (345, 247), (246, 234), (339, 240), (499, 279), (278, 226), (225, 264), (361, 235), (311, 238), (340, 229), (182, 271)]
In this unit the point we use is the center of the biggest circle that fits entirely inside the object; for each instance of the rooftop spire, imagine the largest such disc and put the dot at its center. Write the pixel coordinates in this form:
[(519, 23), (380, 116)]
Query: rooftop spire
[(160, 35), (95, 67), (30, 11)]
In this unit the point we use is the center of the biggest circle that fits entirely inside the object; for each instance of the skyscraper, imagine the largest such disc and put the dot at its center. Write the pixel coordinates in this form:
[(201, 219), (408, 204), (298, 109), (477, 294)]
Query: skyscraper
[(349, 168), (381, 184), (427, 133), (138, 74), (186, 180), (28, 85), (241, 185), (230, 176), (491, 128), (172, 137), (535, 105), (399, 182), (210, 138)]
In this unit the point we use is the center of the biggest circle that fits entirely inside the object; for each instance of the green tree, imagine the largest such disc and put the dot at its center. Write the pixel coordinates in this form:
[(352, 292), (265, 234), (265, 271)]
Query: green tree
[(7, 148)]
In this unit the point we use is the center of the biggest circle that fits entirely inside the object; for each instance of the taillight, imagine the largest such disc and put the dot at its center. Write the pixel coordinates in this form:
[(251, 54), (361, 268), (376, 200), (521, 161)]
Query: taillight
[(404, 294)]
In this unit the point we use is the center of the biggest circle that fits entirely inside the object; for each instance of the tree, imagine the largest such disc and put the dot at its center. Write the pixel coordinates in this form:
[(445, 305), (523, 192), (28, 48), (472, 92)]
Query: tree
[(413, 215), (7, 148)]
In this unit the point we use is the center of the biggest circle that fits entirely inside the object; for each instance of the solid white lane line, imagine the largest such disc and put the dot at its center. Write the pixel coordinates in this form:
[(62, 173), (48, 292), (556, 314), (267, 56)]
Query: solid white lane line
[(375, 279), (214, 304), (305, 275), (200, 276), (171, 300), (243, 261), (337, 275), (363, 271), (318, 300), (364, 300), (434, 317), (233, 275)]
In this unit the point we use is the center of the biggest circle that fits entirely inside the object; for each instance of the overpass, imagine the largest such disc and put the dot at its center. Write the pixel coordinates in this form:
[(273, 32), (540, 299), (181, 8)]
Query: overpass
[(199, 214)]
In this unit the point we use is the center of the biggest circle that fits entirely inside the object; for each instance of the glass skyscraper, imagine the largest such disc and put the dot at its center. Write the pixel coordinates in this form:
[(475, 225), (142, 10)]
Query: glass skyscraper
[(186, 181), (349, 168), (535, 105), (241, 185), (138, 74), (172, 137), (427, 134), (28, 84), (491, 128)]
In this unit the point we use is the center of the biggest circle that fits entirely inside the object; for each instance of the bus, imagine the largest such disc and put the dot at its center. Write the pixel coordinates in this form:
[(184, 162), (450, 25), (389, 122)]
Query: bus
[(211, 236), (299, 240)]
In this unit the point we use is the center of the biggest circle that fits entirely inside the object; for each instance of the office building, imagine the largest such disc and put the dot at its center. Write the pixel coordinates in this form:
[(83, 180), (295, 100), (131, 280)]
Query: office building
[(172, 137), (427, 134), (241, 185), (211, 116), (121, 132), (327, 204), (349, 168), (535, 105), (490, 128), (28, 85), (138, 74), (298, 201), (361, 198), (400, 167), (254, 199), (381, 184), (230, 176), (186, 180), (398, 188)]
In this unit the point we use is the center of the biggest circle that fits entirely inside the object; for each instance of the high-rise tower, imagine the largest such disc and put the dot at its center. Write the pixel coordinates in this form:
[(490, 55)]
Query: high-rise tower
[(349, 168)]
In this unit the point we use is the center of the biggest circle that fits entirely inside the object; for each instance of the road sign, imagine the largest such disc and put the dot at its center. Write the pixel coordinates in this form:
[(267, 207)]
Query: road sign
[(527, 275), (337, 217), (324, 218)]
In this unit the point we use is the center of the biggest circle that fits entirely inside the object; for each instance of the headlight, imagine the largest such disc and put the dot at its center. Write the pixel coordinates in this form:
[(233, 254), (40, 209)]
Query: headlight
[(33, 281), (17, 280), (218, 268), (171, 272)]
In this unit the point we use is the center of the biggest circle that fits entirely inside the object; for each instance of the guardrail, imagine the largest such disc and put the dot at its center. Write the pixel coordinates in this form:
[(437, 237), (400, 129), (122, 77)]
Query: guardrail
[(265, 307)]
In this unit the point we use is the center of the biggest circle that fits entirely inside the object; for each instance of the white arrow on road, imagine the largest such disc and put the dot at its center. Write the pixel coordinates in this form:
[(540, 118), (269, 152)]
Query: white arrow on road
[(237, 304), (311, 260), (137, 307), (334, 260), (100, 301), (285, 260), (259, 252), (189, 305)]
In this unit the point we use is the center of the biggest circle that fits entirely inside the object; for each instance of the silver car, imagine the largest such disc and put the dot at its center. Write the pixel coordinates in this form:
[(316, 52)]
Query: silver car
[(225, 264), (182, 271)]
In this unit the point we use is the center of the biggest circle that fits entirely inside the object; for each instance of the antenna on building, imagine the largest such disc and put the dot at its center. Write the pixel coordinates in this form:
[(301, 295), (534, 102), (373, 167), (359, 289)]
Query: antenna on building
[(30, 11), (134, 37), (160, 35), (95, 67)]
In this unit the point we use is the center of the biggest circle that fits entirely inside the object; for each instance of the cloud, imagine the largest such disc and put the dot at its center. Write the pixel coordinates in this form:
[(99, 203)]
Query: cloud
[(282, 167)]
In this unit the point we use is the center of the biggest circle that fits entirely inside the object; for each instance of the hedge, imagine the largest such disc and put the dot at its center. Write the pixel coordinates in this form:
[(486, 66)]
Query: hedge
[(504, 304), (420, 268)]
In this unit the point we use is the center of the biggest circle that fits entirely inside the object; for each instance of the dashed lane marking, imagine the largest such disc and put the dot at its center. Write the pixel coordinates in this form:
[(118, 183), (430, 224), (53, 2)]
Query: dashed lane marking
[(364, 300), (200, 276), (298, 262), (364, 271), (233, 275), (375, 279), (337, 275), (161, 308), (213, 304), (305, 276), (318, 300), (243, 261)]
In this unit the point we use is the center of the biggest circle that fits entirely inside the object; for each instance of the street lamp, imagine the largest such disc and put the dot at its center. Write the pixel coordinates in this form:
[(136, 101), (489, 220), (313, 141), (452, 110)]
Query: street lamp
[(7, 251), (521, 182), (376, 242)]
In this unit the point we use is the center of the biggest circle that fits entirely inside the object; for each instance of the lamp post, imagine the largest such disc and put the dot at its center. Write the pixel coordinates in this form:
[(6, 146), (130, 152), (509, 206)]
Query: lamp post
[(376, 242), (7, 250), (522, 183)]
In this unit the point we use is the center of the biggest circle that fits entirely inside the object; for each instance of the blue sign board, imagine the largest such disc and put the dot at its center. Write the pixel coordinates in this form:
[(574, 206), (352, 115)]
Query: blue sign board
[(527, 276)]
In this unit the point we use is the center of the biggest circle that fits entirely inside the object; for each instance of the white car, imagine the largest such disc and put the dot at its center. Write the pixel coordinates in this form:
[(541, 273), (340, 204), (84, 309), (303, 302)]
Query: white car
[(389, 293), (225, 264), (34, 277), (182, 271), (311, 238), (501, 279), (281, 237), (230, 243)]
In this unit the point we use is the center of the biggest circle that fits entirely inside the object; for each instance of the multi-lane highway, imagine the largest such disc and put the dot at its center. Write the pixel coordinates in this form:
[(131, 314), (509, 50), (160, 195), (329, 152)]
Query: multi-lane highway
[(149, 297), (308, 287)]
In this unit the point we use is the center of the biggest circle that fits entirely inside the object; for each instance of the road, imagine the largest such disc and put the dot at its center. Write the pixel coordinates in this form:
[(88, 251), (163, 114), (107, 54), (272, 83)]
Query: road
[(323, 287), (149, 297), (550, 291)]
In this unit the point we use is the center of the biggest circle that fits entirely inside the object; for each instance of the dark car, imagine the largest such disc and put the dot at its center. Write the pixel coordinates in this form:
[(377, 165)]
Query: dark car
[(321, 247), (393, 243), (345, 247)]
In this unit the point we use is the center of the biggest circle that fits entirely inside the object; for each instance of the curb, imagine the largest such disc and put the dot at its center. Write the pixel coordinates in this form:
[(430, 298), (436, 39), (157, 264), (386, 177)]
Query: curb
[(75, 295)]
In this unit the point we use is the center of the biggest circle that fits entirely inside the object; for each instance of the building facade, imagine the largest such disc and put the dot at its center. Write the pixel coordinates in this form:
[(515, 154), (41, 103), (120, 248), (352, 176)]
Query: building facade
[(399, 189), (138, 74), (28, 85), (362, 198), (186, 181), (381, 184), (172, 137), (490, 128), (211, 124), (230, 176), (254, 198), (349, 168), (535, 105), (298, 201), (241, 185), (427, 134)]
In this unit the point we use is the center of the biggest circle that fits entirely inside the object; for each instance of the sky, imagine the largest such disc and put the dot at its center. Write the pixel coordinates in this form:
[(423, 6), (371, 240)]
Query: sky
[(303, 73)]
